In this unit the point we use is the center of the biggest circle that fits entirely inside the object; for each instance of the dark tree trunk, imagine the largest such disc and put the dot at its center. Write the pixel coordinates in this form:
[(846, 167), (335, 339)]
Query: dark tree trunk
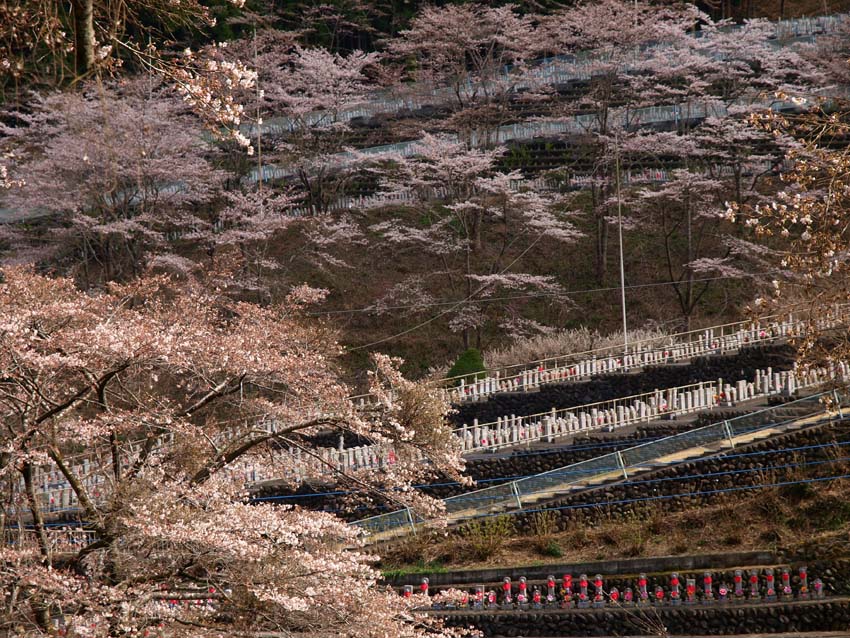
[(601, 265), (83, 35)]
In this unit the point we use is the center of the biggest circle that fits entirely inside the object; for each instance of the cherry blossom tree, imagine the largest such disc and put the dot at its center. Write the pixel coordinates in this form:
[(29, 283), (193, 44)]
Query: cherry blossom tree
[(480, 226), (339, 25), (711, 80), (302, 110), (120, 166), (686, 214), (465, 51), (169, 392), (802, 233), (830, 52), (724, 68), (94, 32), (722, 159), (604, 41), (29, 32), (36, 39)]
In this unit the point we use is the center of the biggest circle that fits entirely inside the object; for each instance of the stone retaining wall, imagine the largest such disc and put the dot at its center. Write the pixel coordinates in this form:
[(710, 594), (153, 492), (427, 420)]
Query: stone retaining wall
[(525, 464), (825, 615), (659, 483)]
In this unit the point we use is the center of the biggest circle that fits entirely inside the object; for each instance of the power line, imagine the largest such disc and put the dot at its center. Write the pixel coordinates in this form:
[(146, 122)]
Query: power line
[(471, 295), (368, 309)]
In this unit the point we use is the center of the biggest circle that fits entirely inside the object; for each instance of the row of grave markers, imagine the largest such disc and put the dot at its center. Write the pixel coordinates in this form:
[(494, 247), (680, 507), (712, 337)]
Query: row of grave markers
[(57, 494), (515, 430), (62, 539), (575, 124), (754, 588), (716, 340), (695, 344), (585, 593), (574, 181), (512, 430)]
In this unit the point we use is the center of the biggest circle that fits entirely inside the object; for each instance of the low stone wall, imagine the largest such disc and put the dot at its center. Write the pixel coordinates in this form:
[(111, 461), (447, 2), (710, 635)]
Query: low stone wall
[(825, 615), (538, 574), (564, 395)]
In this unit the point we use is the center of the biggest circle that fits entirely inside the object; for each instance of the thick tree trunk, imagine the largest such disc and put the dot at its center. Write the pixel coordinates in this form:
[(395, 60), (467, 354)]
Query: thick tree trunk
[(84, 35)]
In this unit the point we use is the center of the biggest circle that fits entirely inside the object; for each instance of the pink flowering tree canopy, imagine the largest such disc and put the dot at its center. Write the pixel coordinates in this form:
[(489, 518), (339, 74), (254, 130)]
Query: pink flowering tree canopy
[(121, 167), (480, 227), (171, 395)]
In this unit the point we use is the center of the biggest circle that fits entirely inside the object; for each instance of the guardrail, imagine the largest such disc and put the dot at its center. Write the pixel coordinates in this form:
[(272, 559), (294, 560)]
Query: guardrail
[(64, 539), (57, 495), (562, 68), (514, 494)]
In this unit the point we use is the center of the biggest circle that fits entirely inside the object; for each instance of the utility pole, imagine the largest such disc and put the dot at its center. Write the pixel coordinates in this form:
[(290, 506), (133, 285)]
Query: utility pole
[(259, 124), (620, 234)]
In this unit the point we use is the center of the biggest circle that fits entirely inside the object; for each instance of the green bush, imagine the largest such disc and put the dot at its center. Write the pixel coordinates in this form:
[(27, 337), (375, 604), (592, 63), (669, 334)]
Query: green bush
[(469, 366), (542, 528), (483, 538)]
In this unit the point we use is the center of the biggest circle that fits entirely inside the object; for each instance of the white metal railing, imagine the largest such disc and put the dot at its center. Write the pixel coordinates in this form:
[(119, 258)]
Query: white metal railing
[(58, 496), (616, 465)]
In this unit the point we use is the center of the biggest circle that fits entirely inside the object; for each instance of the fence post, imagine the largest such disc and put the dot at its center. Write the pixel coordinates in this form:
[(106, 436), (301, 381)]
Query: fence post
[(837, 403), (516, 494), (622, 464), (410, 520), (728, 427)]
